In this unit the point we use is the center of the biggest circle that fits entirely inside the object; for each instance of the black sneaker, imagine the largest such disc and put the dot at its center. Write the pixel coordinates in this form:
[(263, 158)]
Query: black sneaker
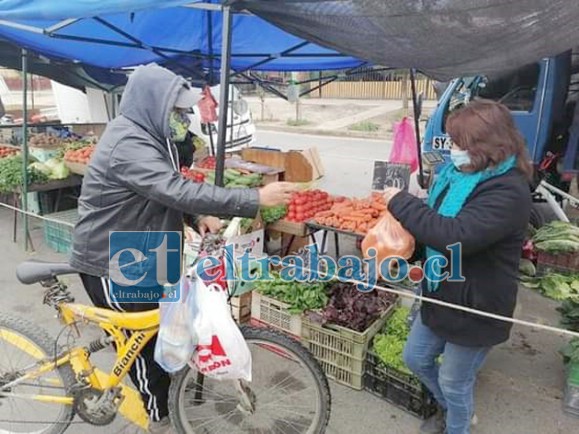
[(435, 424)]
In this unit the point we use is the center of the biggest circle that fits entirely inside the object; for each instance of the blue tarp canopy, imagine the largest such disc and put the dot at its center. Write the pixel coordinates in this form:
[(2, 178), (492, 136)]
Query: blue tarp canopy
[(112, 34)]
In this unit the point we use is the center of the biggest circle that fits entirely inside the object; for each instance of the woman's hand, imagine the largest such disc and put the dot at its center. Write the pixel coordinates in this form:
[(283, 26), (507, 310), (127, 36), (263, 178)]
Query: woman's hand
[(389, 193), (209, 224)]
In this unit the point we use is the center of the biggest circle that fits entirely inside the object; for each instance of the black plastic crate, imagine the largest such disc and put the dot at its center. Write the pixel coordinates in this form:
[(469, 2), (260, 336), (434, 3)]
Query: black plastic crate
[(403, 390)]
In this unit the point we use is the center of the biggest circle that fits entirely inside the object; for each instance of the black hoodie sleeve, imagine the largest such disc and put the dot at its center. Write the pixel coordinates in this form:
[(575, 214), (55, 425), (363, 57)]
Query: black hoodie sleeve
[(496, 209)]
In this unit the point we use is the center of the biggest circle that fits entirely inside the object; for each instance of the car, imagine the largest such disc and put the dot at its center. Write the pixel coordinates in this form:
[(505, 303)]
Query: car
[(7, 120)]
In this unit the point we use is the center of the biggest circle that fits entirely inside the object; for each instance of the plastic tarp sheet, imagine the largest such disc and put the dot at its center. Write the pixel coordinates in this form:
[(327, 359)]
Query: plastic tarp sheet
[(118, 34), (441, 38)]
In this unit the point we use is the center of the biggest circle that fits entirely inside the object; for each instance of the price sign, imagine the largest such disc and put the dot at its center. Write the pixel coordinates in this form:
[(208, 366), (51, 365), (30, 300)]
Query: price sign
[(390, 175)]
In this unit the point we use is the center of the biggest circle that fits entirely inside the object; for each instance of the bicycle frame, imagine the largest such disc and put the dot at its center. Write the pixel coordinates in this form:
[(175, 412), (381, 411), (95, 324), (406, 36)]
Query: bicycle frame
[(144, 326)]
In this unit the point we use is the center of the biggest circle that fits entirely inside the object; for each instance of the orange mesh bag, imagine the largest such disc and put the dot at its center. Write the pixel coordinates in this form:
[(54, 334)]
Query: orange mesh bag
[(388, 238)]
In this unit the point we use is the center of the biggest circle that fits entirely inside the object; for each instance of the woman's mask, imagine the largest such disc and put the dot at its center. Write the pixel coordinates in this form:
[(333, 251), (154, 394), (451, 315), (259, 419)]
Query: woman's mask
[(459, 157), (178, 124)]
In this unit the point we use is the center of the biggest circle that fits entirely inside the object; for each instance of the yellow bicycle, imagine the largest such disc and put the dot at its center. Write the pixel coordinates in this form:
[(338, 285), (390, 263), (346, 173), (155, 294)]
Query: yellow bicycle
[(44, 383)]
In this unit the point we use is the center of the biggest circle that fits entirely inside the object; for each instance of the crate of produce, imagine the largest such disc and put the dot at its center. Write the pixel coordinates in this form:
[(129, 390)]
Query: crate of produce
[(8, 151), (273, 313), (399, 388), (341, 351), (241, 307), (567, 263), (58, 233)]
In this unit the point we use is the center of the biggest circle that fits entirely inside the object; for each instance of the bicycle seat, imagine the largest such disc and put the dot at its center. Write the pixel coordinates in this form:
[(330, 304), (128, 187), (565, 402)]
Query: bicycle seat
[(33, 271)]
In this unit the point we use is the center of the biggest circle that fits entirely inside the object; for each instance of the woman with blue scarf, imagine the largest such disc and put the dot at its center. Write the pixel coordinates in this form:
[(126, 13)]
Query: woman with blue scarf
[(482, 203)]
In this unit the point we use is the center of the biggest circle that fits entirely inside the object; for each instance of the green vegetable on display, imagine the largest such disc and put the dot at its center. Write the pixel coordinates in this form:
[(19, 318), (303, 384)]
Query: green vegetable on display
[(299, 296), (11, 174), (273, 213), (233, 178), (557, 237), (389, 343), (555, 286), (527, 267)]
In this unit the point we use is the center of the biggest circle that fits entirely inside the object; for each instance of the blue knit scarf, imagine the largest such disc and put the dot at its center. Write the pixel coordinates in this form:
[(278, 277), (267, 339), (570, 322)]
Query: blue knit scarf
[(460, 186)]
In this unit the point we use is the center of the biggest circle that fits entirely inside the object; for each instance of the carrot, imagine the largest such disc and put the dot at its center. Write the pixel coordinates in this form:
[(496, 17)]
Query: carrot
[(359, 214), (324, 214), (355, 219)]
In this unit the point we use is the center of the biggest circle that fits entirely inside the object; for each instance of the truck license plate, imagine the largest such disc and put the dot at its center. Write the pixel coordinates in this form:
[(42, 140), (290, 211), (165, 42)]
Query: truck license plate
[(442, 143)]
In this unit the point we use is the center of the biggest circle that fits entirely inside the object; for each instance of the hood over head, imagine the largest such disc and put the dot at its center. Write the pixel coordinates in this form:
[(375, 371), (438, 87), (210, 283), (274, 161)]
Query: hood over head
[(150, 95)]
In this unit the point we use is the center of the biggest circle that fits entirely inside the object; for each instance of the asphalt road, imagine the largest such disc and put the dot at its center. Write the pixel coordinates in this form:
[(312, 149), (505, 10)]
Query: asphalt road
[(519, 389)]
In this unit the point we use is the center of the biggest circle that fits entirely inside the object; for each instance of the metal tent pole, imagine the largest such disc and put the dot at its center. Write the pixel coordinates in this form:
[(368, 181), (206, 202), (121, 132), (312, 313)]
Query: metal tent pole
[(24, 190), (223, 95), (417, 126)]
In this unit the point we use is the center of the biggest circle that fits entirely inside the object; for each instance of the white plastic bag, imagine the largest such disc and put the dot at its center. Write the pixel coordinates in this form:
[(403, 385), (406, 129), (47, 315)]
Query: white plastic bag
[(221, 351), (175, 342)]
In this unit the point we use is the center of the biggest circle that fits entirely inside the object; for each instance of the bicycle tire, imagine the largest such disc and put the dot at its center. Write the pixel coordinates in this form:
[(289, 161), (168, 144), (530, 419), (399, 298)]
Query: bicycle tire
[(276, 337), (42, 340)]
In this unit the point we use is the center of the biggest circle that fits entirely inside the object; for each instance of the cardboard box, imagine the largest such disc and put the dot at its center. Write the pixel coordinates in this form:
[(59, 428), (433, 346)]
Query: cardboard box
[(294, 246), (252, 242), (298, 165), (287, 227), (315, 161)]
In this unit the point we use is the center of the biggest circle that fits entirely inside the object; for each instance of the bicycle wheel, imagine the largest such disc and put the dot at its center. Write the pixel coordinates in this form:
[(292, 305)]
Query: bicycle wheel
[(22, 344), (289, 392)]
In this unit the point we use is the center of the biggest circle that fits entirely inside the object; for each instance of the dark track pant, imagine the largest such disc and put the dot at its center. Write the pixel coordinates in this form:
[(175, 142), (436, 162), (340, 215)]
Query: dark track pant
[(149, 378)]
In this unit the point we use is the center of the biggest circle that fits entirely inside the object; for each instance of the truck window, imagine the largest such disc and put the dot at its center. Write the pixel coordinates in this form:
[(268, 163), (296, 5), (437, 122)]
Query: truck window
[(460, 96), (515, 89)]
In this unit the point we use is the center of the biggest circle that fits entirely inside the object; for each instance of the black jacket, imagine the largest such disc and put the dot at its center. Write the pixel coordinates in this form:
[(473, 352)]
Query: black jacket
[(491, 227)]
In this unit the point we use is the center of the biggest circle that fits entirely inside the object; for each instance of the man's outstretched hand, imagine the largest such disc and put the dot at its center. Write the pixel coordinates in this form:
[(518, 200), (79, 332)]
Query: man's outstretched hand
[(277, 193)]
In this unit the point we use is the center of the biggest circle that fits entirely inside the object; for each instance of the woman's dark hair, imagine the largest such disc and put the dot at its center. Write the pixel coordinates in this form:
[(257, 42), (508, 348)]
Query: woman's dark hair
[(486, 129)]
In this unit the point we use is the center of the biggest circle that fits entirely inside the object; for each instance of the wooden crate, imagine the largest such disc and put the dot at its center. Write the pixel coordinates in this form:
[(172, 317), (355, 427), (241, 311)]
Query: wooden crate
[(287, 227), (241, 307), (567, 263)]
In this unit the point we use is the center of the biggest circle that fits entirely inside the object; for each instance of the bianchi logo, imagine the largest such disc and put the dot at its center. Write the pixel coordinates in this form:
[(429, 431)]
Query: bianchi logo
[(118, 370)]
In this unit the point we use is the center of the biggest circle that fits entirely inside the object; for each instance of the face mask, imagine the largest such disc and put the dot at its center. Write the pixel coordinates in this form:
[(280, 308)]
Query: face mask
[(459, 157), (178, 124)]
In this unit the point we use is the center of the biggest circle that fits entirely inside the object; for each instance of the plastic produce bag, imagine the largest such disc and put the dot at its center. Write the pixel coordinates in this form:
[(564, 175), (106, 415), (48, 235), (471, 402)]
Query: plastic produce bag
[(221, 351), (388, 238), (207, 106), (175, 342), (404, 150)]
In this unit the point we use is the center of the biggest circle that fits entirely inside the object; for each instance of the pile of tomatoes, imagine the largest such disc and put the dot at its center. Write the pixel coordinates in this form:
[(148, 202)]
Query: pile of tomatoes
[(207, 163), (81, 155), (192, 175), (7, 152), (305, 204)]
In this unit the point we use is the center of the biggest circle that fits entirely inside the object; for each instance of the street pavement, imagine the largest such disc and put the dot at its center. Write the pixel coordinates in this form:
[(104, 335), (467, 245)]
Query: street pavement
[(520, 387)]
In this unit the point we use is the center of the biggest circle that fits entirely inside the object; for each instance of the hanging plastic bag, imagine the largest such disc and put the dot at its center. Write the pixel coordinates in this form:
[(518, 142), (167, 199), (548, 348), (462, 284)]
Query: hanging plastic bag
[(221, 350), (404, 150), (175, 342), (207, 106), (389, 239)]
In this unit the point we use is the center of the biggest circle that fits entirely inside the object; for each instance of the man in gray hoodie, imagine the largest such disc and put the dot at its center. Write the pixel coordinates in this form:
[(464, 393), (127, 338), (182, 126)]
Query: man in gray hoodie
[(133, 183)]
